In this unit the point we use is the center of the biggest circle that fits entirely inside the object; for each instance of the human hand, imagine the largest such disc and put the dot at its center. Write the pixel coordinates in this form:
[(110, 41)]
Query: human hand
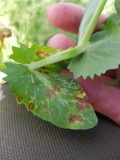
[(104, 98)]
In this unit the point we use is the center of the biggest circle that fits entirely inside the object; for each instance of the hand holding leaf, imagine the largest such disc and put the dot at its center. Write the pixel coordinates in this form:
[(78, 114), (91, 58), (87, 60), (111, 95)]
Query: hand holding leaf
[(35, 80)]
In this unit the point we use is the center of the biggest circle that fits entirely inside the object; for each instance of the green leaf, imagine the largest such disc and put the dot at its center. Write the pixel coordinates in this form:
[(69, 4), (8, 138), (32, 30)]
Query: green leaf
[(117, 6), (23, 54), (110, 25), (43, 51), (101, 54), (2, 65), (115, 17), (26, 55), (54, 97)]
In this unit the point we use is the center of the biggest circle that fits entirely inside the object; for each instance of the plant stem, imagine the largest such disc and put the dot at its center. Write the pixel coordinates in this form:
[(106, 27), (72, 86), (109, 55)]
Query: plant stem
[(84, 36), (90, 20), (58, 57)]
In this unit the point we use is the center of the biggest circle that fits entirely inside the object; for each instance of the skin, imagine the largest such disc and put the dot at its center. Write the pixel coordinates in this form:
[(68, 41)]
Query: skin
[(104, 98)]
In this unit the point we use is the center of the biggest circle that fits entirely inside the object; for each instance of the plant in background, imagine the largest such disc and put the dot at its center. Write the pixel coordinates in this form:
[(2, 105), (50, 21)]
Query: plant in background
[(4, 33), (34, 73), (27, 29), (30, 28)]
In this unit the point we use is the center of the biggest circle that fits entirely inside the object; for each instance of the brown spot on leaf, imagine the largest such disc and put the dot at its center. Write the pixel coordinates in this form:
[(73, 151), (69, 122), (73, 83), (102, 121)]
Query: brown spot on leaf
[(52, 92), (20, 99), (75, 118), (41, 54), (80, 94), (31, 106), (82, 104), (82, 90)]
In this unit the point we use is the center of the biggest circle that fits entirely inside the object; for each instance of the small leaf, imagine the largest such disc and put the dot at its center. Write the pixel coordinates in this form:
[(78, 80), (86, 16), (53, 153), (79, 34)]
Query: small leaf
[(26, 55), (42, 51), (23, 54), (53, 97)]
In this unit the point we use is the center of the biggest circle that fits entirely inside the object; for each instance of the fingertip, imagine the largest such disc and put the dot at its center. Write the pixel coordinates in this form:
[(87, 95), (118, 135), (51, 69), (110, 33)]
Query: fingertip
[(66, 16), (101, 20), (111, 73), (117, 73), (103, 79), (61, 41)]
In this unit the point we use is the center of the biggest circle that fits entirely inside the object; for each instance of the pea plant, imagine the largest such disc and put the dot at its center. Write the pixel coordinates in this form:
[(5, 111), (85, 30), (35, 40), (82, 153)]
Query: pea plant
[(34, 73)]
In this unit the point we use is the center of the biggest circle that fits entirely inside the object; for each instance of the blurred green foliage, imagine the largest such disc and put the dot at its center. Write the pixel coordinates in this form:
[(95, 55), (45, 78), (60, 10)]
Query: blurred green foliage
[(28, 18)]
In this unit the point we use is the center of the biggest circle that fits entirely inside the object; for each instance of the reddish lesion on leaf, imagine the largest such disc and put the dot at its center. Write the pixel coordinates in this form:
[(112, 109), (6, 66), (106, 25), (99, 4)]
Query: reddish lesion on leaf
[(31, 106), (75, 118), (82, 100), (50, 93), (82, 104), (80, 94), (41, 54)]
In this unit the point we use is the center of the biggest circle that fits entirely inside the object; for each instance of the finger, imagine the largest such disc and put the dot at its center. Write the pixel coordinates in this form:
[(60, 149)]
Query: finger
[(101, 79), (117, 73), (101, 21), (110, 73), (106, 80), (61, 41), (67, 16), (104, 99)]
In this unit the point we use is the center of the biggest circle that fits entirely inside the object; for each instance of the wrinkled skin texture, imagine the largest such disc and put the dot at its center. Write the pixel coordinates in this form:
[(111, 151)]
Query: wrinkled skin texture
[(104, 98)]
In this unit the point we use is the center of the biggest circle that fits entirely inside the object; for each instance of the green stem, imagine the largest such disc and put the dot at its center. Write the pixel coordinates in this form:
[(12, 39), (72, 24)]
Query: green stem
[(58, 57), (90, 20), (84, 36)]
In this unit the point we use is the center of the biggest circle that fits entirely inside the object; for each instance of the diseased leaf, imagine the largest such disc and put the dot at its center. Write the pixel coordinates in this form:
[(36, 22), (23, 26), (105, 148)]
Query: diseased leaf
[(42, 51), (53, 97), (23, 54), (26, 55)]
